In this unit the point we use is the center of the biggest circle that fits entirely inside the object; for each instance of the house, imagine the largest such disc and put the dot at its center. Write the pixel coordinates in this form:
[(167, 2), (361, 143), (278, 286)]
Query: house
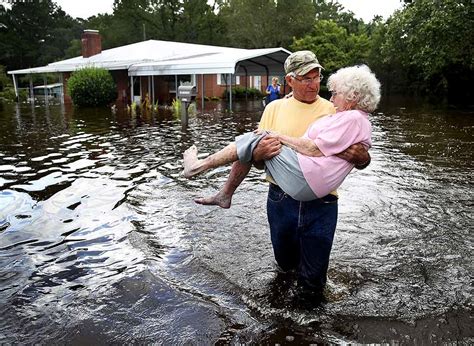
[(156, 67)]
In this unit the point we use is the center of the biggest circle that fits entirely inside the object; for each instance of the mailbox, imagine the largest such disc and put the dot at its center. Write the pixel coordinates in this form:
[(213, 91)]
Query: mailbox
[(187, 93)]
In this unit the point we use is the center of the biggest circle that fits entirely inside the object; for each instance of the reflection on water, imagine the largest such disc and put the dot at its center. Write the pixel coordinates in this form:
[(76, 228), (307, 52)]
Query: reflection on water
[(100, 239)]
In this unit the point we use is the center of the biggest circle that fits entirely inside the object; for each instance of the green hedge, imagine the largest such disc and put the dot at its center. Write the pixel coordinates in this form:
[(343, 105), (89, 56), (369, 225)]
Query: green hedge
[(239, 93), (92, 86)]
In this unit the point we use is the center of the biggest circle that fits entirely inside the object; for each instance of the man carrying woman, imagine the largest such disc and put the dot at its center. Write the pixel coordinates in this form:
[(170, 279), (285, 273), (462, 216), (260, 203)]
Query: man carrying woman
[(302, 231)]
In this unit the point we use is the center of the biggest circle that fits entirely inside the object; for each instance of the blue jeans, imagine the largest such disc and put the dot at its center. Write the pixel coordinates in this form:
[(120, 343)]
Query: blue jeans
[(302, 234)]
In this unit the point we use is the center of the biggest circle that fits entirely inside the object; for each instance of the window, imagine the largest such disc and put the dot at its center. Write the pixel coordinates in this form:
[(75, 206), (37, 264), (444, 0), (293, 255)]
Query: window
[(257, 82), (223, 77)]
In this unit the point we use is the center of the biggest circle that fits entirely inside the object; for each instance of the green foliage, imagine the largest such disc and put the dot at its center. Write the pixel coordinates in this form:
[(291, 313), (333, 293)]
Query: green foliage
[(34, 33), (4, 80), (38, 79), (426, 47), (377, 30), (266, 23), (8, 93), (176, 106), (193, 21), (330, 10), (92, 87), (430, 45), (241, 92), (334, 46), (198, 23), (293, 18), (74, 49)]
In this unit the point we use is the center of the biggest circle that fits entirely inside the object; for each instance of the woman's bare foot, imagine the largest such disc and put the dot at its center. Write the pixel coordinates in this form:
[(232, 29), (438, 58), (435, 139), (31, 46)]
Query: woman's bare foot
[(191, 162), (220, 199)]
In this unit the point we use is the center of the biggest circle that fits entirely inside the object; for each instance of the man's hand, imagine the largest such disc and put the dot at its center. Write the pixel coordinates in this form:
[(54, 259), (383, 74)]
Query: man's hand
[(356, 154), (267, 148)]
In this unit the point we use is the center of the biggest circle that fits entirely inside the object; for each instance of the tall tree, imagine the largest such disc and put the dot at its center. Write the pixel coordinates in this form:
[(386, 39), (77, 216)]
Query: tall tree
[(294, 19), (432, 44), (198, 23), (332, 10), (132, 21), (334, 46), (34, 33), (250, 23), (172, 20), (266, 23), (377, 30)]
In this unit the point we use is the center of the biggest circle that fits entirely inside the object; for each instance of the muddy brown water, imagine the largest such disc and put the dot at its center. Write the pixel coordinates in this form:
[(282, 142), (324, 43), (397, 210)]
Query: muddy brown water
[(100, 241)]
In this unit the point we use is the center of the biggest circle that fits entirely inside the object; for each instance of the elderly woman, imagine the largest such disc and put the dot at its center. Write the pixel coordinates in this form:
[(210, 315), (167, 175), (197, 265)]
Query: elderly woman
[(306, 168)]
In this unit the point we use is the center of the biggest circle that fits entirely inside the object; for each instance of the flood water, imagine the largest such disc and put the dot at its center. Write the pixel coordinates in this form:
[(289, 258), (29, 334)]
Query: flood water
[(101, 242)]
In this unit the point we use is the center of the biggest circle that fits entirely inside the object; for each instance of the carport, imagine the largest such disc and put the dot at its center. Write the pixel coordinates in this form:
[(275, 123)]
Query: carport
[(238, 62)]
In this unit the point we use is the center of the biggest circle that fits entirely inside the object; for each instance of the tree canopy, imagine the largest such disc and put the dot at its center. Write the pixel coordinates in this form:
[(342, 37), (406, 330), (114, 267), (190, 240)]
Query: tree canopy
[(334, 45), (34, 33), (430, 44)]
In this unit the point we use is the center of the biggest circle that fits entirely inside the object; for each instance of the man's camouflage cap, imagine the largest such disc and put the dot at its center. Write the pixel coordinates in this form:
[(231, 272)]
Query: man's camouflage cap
[(301, 62)]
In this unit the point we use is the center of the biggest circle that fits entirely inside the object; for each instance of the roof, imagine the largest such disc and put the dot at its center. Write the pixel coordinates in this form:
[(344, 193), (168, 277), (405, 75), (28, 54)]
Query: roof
[(154, 57), (49, 86)]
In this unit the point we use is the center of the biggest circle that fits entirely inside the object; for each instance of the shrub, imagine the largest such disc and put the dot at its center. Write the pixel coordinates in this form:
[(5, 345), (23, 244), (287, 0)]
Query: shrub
[(4, 80), (8, 94), (92, 86), (239, 93), (176, 106)]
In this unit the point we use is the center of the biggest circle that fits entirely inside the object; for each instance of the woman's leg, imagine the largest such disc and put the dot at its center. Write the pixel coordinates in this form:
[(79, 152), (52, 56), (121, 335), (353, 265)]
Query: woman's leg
[(193, 166), (239, 152), (223, 198)]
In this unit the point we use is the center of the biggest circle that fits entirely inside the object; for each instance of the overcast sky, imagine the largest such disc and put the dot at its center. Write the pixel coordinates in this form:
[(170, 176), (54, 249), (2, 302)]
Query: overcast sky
[(365, 9)]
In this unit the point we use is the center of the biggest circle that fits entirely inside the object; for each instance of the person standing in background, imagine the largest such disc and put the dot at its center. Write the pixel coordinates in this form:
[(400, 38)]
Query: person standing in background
[(273, 91)]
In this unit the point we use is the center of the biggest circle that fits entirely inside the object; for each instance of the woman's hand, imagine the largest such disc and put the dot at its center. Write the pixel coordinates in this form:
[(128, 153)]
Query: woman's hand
[(270, 134)]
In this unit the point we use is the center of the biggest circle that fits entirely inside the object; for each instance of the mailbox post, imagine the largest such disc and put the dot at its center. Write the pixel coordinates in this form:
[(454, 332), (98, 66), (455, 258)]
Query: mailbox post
[(186, 94)]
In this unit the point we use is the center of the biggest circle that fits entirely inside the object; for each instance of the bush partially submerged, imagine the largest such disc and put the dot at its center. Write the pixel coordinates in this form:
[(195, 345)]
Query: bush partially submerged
[(7, 92), (92, 86), (239, 92), (4, 80)]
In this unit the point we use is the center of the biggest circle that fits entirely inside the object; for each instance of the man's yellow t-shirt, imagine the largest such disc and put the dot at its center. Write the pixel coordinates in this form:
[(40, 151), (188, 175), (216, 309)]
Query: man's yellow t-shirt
[(292, 118)]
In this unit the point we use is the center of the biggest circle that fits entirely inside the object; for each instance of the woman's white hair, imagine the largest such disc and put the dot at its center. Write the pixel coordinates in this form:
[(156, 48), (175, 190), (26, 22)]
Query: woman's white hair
[(359, 84)]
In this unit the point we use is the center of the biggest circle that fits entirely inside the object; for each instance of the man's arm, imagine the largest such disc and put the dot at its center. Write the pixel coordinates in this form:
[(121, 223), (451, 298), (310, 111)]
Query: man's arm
[(356, 154), (267, 148)]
